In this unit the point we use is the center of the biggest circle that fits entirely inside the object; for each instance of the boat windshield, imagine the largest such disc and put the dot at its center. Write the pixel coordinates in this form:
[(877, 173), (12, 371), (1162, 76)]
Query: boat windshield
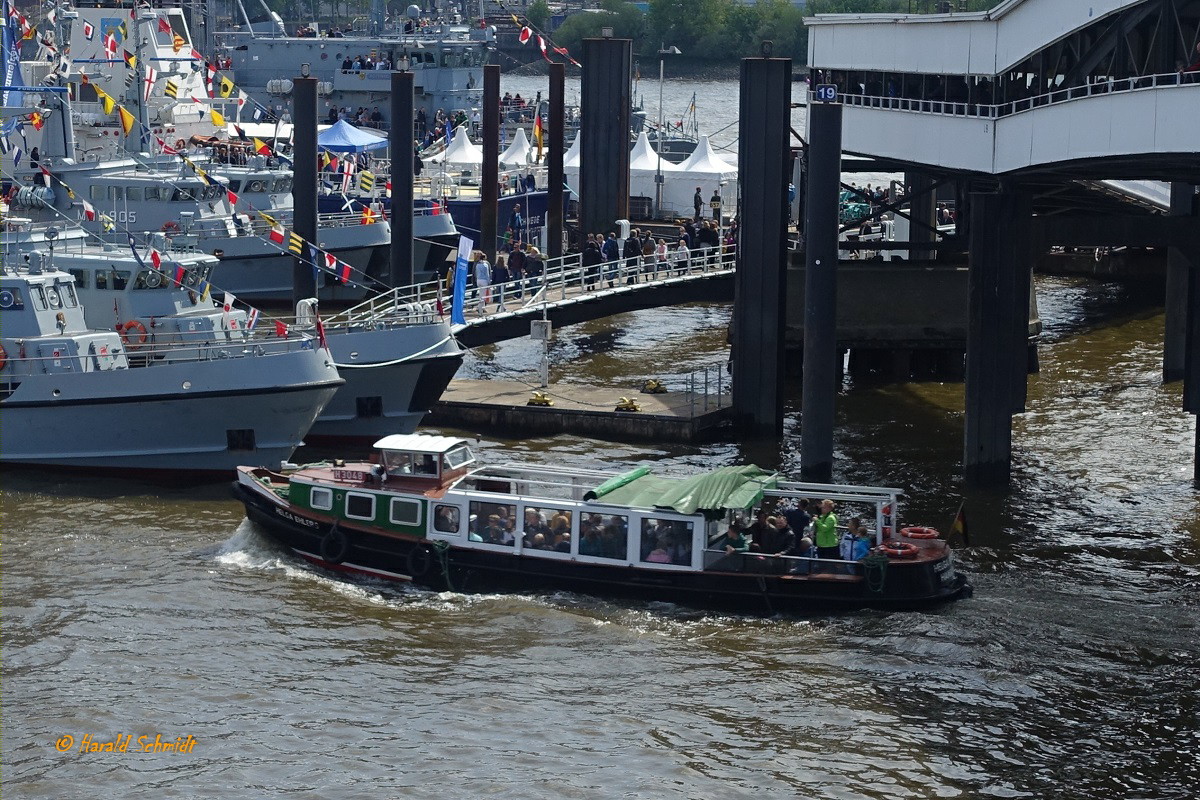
[(458, 456), (402, 463)]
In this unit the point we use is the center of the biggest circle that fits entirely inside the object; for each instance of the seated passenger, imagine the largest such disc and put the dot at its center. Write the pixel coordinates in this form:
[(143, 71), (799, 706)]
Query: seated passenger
[(562, 542), (538, 542), (591, 544), (735, 540), (659, 555), (561, 523)]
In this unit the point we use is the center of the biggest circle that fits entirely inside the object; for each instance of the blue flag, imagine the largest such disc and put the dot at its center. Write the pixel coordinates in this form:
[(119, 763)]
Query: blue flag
[(457, 316)]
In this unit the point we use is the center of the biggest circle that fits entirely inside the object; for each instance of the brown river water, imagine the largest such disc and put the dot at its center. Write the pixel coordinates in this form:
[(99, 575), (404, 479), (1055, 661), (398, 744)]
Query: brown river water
[(129, 609)]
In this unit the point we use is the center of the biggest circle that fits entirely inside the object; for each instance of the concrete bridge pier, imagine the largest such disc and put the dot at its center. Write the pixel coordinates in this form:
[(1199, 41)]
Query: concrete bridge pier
[(997, 330), (922, 207), (1183, 204)]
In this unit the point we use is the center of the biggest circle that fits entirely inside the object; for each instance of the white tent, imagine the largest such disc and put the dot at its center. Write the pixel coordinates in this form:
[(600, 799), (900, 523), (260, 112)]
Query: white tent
[(571, 158), (517, 154), (461, 152), (644, 158), (705, 162)]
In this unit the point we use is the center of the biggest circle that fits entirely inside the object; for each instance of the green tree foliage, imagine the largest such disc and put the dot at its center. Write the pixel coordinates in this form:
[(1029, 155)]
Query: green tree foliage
[(624, 18), (538, 13)]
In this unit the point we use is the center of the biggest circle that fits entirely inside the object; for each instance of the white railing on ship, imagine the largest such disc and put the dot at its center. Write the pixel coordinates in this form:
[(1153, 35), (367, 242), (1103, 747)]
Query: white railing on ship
[(1106, 86)]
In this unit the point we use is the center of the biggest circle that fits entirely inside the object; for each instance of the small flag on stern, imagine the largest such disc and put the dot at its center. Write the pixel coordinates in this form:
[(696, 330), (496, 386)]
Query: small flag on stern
[(959, 525)]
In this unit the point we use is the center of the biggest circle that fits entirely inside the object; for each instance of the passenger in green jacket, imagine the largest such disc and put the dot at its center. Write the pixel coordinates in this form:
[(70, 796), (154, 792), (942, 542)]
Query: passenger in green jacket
[(736, 541), (825, 528)]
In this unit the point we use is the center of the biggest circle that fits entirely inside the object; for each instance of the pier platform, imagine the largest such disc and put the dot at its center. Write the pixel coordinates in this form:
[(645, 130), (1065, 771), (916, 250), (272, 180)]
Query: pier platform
[(585, 410)]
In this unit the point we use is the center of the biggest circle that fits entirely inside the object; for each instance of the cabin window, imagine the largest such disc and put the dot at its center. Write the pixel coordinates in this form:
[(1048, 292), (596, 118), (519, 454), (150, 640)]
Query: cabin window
[(447, 519), (158, 193), (67, 292), (101, 279), (492, 523), (546, 528), (97, 192), (120, 279), (80, 276), (235, 186), (321, 499), (182, 195), (457, 457), (604, 536), (134, 193), (666, 541), (360, 506), (405, 512), (38, 294)]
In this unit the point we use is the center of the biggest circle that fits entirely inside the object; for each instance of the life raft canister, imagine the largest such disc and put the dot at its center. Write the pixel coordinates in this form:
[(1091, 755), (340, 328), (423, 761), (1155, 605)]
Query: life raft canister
[(919, 533)]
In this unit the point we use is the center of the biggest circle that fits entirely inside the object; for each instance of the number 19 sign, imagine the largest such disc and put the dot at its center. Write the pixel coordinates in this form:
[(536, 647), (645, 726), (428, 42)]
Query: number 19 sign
[(826, 93)]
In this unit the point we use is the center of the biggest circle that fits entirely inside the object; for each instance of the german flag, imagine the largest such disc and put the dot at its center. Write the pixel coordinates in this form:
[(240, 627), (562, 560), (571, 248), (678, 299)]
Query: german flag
[(366, 181), (295, 242), (172, 89)]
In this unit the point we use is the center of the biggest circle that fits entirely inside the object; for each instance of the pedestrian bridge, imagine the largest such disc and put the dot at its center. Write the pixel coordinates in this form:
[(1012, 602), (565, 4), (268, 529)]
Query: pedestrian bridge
[(1106, 87), (565, 293)]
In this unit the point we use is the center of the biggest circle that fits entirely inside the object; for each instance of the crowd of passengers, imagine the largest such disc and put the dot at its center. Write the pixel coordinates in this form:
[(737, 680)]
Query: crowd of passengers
[(776, 534)]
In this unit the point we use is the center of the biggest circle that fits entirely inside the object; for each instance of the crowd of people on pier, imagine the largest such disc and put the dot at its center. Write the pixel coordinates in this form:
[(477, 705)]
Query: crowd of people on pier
[(605, 260)]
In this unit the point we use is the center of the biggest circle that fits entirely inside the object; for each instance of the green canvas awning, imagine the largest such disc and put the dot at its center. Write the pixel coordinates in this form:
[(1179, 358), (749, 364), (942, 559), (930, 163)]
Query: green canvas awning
[(727, 487)]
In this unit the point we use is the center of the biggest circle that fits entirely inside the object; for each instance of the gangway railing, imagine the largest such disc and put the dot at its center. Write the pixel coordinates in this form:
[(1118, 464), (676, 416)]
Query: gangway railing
[(1107, 86), (546, 282)]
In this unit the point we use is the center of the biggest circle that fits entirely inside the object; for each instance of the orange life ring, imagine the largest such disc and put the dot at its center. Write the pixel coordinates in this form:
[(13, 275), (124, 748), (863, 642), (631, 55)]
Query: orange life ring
[(895, 549), (3, 357), (919, 533), (128, 339), (169, 226)]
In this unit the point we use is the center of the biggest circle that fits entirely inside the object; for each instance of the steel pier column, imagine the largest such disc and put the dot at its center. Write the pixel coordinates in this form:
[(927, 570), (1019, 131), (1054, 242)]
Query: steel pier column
[(401, 270), (997, 331), (1174, 356), (759, 312), (820, 291), (922, 208), (554, 165), (304, 187), (604, 142), (489, 175)]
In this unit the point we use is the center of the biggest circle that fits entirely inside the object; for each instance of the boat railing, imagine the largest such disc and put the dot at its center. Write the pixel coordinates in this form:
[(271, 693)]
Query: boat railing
[(1101, 86), (151, 354)]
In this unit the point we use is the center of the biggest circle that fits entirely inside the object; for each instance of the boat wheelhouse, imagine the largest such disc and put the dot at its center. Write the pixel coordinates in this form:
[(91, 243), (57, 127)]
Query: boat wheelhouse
[(422, 510)]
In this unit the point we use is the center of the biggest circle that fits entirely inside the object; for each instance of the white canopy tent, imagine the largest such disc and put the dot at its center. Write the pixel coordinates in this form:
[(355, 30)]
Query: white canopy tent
[(517, 154), (571, 158), (704, 161), (462, 152)]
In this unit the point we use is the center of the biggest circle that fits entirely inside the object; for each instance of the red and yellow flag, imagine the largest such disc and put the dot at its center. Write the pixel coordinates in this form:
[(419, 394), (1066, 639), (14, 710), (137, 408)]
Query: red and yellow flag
[(127, 119)]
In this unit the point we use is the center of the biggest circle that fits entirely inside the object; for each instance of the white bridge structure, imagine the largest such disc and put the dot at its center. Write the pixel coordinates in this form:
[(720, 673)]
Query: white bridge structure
[(1030, 85), (1044, 123)]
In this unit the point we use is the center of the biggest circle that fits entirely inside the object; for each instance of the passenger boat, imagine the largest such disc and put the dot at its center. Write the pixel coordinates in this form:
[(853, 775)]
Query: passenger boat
[(422, 510)]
